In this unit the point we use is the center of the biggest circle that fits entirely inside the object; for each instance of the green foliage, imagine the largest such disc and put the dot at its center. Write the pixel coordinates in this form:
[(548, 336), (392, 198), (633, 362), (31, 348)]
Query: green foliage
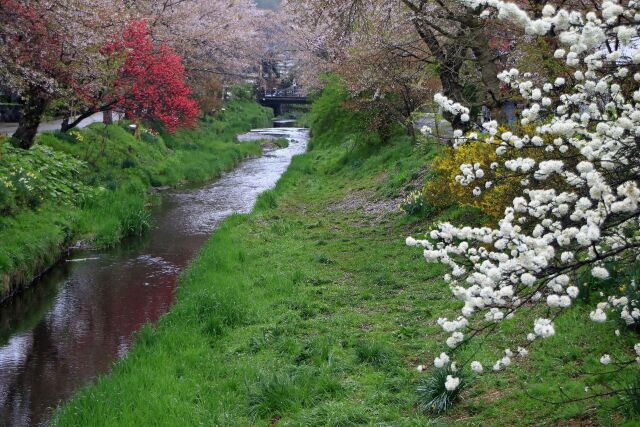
[(29, 178), (632, 397), (336, 315), (266, 200), (31, 242), (272, 394), (375, 353), (333, 123), (281, 142), (414, 203), (114, 215), (242, 92), (304, 350)]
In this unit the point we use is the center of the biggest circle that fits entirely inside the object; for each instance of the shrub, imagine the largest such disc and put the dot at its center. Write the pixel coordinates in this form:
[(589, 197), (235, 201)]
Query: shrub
[(272, 394), (434, 396), (333, 123), (375, 353), (414, 203), (28, 177)]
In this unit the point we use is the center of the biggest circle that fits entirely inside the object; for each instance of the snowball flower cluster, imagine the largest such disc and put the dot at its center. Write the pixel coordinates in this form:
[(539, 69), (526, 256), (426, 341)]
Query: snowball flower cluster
[(476, 367), (451, 383), (441, 361)]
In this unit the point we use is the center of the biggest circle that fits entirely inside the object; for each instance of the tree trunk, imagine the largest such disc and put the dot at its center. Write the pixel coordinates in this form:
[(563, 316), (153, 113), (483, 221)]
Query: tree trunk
[(107, 117), (137, 132), (64, 126), (485, 62), (31, 114), (451, 88), (449, 70), (68, 126)]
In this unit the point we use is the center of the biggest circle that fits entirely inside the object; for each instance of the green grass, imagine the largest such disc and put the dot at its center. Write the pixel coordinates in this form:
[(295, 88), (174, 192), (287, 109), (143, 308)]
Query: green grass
[(31, 242), (281, 142), (311, 311), (118, 169)]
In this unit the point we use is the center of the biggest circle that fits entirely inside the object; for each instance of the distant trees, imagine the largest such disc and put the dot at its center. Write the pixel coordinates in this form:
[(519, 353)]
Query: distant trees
[(440, 38)]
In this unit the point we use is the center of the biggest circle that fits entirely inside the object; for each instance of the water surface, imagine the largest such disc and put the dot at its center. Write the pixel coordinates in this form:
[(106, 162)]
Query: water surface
[(70, 327)]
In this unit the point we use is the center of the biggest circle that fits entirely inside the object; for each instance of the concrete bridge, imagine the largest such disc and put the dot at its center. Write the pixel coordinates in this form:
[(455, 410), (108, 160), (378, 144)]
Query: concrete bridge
[(276, 99)]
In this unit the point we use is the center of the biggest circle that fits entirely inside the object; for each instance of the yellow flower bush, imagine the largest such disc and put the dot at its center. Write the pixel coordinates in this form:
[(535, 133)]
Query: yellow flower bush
[(443, 190), (77, 136)]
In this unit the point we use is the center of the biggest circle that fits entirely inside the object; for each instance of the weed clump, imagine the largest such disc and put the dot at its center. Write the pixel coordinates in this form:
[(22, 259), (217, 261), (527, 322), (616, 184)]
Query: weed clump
[(433, 394)]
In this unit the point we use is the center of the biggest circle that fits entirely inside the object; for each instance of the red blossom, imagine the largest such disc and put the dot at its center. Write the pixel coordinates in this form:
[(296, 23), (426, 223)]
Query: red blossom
[(151, 81)]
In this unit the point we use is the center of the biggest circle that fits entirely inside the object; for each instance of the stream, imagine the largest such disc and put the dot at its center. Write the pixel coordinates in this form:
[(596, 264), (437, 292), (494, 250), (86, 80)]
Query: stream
[(79, 318)]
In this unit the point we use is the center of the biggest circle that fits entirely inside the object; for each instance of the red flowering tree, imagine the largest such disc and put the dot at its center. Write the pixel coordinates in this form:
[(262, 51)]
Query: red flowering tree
[(151, 81)]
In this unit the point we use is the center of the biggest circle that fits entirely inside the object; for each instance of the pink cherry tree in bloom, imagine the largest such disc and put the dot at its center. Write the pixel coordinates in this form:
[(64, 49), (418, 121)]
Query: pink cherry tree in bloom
[(578, 209)]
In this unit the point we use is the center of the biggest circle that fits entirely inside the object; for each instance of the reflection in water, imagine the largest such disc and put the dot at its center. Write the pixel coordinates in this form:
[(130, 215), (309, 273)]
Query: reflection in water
[(70, 328)]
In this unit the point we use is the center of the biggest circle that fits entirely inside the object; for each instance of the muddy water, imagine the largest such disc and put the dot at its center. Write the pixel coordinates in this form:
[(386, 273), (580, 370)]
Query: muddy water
[(70, 327)]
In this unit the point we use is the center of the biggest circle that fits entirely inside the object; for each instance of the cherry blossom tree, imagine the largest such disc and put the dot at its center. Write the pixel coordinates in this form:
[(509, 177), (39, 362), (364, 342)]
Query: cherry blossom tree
[(50, 51), (221, 38), (30, 62), (575, 152), (454, 43)]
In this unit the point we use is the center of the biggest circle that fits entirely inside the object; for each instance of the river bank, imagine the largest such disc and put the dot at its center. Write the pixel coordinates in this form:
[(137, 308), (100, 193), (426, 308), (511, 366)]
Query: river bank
[(72, 325), (311, 311), (105, 198)]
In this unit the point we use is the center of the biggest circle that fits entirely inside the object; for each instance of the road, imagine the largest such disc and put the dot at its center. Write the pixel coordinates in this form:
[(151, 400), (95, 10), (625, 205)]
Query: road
[(10, 128)]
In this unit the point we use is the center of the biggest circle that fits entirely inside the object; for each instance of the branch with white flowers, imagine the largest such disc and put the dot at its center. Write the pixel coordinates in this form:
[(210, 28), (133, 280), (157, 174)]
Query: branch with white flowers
[(576, 161)]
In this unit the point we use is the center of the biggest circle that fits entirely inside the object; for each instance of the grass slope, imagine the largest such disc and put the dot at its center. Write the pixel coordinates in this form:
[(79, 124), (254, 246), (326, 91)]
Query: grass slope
[(311, 311), (120, 169)]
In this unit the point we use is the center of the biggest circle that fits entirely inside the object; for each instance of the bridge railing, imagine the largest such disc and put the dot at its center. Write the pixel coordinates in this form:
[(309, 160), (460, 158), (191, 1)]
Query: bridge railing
[(280, 93)]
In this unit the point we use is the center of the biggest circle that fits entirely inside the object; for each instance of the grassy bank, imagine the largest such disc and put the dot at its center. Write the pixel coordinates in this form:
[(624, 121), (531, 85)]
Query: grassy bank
[(92, 184), (311, 311)]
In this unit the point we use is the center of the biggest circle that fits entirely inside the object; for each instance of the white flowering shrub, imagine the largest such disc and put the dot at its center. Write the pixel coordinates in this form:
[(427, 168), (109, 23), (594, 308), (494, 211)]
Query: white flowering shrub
[(577, 209)]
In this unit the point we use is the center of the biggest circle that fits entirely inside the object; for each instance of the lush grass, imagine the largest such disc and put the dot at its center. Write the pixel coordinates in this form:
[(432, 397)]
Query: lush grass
[(311, 311), (118, 170), (30, 242)]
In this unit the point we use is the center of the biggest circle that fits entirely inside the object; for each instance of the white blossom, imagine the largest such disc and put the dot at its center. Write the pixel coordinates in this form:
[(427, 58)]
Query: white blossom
[(451, 383), (441, 361), (476, 367)]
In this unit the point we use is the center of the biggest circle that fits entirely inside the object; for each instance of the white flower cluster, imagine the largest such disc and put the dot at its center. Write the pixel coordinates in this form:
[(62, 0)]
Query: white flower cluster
[(454, 108), (628, 309), (451, 383), (579, 207)]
